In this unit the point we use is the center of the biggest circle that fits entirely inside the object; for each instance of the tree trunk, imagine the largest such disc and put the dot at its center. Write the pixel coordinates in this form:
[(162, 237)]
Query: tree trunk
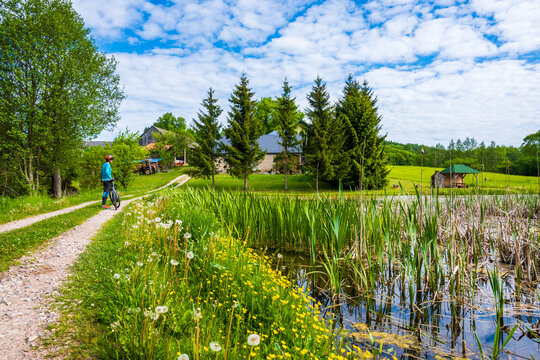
[(57, 184), (317, 179), (245, 182), (6, 183), (29, 172), (286, 169), (213, 181), (37, 168), (185, 153)]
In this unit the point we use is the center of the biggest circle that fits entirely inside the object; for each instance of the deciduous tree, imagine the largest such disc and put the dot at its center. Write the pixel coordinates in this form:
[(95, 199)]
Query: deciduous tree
[(170, 122), (57, 89)]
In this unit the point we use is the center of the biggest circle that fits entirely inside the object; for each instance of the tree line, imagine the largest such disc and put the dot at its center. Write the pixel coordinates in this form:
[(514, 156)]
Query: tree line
[(56, 90), (340, 143), (522, 160)]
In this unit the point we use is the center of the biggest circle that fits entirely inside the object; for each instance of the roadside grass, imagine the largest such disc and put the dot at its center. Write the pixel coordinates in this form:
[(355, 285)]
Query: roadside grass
[(163, 279), (18, 208), (14, 244), (404, 177)]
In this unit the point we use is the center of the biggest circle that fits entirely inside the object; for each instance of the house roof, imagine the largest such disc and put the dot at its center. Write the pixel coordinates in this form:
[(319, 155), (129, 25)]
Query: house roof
[(459, 169), (269, 143), (97, 143), (154, 129), (152, 146), (163, 131)]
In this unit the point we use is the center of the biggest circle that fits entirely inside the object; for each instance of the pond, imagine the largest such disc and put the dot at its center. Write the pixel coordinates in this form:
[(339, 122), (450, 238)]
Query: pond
[(435, 328)]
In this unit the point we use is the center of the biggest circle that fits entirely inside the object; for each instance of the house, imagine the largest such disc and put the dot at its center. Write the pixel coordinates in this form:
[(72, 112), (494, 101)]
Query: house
[(148, 136), (453, 176), (148, 140), (270, 144)]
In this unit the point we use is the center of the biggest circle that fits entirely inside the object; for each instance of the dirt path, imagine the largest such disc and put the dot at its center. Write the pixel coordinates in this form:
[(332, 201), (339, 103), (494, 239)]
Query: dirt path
[(26, 289), (17, 224)]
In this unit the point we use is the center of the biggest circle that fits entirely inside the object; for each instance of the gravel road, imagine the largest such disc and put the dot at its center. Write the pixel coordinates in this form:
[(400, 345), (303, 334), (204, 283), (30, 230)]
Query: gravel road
[(26, 290)]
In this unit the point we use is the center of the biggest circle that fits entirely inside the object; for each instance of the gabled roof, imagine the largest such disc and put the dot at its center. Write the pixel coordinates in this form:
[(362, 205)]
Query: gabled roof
[(163, 131), (97, 143), (269, 143), (459, 169), (154, 129)]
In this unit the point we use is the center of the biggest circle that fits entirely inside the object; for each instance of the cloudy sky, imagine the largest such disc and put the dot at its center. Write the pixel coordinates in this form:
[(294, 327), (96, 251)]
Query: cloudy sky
[(441, 69)]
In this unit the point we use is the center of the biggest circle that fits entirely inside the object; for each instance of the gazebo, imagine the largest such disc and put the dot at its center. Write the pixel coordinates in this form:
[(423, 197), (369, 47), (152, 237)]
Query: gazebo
[(453, 176)]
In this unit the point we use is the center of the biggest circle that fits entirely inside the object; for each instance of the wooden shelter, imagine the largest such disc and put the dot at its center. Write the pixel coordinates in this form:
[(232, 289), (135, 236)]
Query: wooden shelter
[(453, 176)]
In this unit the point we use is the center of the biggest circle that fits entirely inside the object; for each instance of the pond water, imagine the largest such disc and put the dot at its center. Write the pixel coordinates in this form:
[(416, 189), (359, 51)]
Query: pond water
[(433, 329)]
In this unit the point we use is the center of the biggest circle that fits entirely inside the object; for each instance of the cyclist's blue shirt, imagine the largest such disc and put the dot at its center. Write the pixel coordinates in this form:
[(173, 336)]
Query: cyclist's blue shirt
[(106, 172)]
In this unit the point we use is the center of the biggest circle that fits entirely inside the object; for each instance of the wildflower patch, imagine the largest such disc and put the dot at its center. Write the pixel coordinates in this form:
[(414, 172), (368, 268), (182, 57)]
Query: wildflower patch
[(175, 287)]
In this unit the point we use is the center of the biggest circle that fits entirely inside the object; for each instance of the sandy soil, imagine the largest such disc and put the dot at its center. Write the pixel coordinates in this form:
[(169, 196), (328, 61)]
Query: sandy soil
[(26, 290)]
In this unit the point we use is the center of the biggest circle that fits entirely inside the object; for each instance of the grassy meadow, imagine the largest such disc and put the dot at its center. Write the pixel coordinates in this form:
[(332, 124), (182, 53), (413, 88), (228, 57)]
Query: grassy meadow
[(404, 176), (409, 175), (24, 206)]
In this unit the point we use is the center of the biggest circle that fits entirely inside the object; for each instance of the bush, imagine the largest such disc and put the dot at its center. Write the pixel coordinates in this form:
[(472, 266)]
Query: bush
[(126, 151)]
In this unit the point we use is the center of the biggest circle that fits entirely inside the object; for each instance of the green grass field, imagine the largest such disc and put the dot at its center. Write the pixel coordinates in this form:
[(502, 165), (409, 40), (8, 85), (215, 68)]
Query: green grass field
[(405, 176), (24, 206), (409, 175)]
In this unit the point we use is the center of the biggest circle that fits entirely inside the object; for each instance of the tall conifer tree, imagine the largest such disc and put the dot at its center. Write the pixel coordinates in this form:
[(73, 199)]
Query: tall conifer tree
[(363, 143), (207, 136), (324, 136), (287, 123), (243, 131)]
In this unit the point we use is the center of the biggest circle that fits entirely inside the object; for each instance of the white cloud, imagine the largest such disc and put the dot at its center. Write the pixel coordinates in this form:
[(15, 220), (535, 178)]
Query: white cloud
[(459, 99), (517, 22), (109, 18), (422, 58)]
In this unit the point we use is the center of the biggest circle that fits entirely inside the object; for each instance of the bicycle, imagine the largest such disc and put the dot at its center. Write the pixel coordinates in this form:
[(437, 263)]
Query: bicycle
[(113, 194)]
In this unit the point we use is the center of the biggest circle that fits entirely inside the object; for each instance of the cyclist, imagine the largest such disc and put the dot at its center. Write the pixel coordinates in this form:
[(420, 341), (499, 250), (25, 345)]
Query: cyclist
[(106, 178)]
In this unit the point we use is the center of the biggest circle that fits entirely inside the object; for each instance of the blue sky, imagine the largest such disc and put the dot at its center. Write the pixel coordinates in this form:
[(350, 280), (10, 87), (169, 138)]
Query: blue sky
[(441, 69)]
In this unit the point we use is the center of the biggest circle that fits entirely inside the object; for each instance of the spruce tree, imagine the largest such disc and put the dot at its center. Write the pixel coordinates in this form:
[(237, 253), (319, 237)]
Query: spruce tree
[(243, 131), (287, 122), (324, 136), (363, 144), (207, 135)]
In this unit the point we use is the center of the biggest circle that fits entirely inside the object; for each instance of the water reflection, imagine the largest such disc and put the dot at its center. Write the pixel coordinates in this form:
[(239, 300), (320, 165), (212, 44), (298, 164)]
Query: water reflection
[(432, 325)]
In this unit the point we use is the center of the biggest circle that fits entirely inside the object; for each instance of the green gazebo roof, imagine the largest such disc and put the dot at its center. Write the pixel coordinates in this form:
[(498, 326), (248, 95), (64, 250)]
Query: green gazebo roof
[(459, 169)]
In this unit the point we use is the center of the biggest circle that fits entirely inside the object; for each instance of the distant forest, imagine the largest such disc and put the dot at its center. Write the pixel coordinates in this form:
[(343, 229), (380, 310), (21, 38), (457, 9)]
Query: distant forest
[(521, 160)]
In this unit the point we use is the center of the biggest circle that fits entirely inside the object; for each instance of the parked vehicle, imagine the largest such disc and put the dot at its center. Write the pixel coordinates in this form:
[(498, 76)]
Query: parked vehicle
[(148, 167)]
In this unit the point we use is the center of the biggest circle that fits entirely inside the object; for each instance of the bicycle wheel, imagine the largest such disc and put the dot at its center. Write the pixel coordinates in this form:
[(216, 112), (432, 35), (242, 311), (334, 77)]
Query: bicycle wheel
[(115, 199)]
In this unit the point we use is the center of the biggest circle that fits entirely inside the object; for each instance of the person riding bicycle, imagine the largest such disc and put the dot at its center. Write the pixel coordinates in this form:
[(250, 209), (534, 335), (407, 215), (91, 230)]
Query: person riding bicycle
[(106, 178)]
